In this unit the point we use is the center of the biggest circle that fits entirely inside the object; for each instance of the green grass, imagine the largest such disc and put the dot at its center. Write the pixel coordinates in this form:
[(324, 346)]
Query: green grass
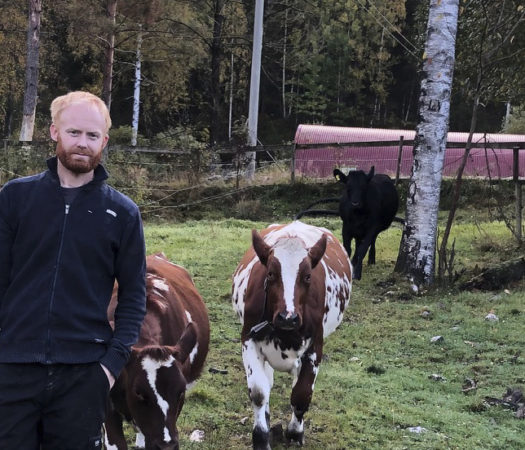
[(374, 382)]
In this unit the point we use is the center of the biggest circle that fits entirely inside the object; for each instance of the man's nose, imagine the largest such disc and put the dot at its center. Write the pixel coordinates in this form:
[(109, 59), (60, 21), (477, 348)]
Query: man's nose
[(82, 141)]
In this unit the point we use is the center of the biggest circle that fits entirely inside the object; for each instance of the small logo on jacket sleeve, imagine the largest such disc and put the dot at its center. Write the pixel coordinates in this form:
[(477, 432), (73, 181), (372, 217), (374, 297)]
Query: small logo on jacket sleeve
[(111, 212)]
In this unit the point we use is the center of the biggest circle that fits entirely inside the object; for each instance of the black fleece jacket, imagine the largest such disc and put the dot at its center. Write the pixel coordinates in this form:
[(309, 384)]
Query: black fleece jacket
[(58, 266)]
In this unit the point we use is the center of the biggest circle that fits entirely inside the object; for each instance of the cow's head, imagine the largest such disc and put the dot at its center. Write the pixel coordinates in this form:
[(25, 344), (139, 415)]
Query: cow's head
[(289, 266), (356, 183), (156, 387)]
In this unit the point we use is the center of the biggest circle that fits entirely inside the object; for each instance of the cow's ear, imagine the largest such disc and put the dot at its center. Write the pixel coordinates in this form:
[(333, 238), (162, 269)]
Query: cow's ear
[(339, 176), (317, 251), (186, 343), (262, 249), (371, 173)]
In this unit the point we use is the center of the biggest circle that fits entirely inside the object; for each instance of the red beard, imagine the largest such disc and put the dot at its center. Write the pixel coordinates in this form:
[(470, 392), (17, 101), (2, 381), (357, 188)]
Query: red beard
[(75, 165)]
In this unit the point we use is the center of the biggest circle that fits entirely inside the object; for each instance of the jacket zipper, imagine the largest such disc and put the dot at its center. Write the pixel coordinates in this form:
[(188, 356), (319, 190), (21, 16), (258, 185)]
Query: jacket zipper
[(51, 301)]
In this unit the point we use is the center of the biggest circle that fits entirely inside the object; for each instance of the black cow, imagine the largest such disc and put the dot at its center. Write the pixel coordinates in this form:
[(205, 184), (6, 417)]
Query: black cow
[(368, 206)]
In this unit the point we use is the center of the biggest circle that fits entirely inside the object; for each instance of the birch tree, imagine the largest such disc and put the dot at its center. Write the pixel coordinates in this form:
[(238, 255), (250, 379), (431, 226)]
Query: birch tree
[(418, 244), (32, 66), (136, 90), (107, 82)]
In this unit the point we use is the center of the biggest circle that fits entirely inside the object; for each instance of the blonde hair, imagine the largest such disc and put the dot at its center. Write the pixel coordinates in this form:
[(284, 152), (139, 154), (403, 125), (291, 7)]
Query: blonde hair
[(75, 98)]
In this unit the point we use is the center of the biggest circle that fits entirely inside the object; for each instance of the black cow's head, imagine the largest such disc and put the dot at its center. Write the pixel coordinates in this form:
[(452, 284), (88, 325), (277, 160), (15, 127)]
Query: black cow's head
[(356, 183), (155, 389), (289, 266)]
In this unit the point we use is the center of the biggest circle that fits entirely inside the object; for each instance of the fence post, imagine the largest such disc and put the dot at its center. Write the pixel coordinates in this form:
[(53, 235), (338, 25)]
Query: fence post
[(399, 154), (517, 189)]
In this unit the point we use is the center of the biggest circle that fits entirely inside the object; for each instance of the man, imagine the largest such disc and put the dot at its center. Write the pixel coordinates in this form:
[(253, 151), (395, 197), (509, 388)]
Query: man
[(65, 236)]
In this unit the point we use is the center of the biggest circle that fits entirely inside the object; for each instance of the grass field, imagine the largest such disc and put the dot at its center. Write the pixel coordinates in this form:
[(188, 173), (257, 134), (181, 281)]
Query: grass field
[(381, 374)]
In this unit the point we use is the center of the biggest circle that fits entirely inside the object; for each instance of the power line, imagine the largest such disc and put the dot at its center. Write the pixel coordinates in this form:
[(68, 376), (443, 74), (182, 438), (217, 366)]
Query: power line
[(393, 27), (387, 30)]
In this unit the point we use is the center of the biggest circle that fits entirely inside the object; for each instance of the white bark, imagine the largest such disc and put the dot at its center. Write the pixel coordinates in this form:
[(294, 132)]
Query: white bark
[(107, 80), (253, 113), (230, 111), (136, 92), (418, 245)]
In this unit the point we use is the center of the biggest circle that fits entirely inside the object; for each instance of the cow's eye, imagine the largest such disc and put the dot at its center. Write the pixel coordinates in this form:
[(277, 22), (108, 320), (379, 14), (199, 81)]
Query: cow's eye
[(269, 276), (307, 278), (141, 397)]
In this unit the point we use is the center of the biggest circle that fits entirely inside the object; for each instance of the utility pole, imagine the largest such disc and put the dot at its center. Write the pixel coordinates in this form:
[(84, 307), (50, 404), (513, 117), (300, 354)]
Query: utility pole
[(253, 112)]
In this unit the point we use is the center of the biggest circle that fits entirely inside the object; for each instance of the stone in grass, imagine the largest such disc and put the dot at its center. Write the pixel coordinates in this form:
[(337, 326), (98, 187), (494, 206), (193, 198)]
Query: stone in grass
[(436, 339), (491, 317), (437, 377), (417, 430), (197, 436), (426, 313)]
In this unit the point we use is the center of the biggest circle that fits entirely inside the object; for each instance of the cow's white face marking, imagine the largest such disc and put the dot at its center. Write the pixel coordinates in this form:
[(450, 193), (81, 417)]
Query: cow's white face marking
[(188, 316), (290, 253), (151, 368), (160, 285)]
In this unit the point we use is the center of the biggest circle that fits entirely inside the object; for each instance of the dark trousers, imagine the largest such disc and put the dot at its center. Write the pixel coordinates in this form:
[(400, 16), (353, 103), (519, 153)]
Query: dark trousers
[(52, 407)]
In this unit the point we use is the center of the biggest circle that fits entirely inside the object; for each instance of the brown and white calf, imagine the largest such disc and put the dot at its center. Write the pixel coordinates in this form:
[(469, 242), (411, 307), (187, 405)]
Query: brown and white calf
[(167, 359), (290, 291)]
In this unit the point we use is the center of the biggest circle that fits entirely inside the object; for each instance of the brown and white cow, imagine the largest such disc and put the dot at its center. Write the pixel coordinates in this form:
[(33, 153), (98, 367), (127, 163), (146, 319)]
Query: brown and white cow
[(167, 359), (290, 291)]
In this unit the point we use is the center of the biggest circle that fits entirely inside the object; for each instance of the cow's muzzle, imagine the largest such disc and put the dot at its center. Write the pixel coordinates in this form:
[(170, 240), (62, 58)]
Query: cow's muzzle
[(286, 321)]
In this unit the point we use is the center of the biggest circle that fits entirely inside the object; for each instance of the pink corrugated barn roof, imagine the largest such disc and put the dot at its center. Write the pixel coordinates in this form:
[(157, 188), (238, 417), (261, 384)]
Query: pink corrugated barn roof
[(320, 161)]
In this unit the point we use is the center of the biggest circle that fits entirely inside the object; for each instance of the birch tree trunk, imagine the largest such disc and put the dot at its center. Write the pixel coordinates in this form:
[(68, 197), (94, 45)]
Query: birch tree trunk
[(418, 244), (136, 92), (107, 81), (32, 66)]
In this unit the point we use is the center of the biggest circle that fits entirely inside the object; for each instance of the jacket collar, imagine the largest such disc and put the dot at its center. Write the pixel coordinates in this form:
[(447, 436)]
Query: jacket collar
[(99, 176)]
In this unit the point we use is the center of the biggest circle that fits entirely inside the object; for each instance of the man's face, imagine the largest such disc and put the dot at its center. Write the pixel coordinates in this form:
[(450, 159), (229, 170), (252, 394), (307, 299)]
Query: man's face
[(81, 136)]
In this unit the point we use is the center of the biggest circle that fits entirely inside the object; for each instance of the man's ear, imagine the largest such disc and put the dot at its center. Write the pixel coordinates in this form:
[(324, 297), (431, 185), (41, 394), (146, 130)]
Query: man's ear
[(106, 139), (53, 131)]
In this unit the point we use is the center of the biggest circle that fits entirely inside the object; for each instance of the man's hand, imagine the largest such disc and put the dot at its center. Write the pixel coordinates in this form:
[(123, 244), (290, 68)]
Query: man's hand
[(111, 378)]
